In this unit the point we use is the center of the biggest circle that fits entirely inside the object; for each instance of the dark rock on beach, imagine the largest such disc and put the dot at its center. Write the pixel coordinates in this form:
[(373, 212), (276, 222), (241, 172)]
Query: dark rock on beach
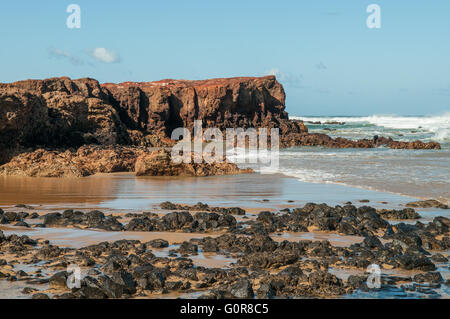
[(406, 213), (200, 222), (92, 219), (40, 296), (428, 204), (203, 207), (262, 264), (59, 280), (158, 243), (242, 290)]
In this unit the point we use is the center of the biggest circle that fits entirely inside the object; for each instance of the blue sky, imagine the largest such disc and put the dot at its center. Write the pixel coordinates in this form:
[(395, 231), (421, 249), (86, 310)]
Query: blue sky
[(328, 60)]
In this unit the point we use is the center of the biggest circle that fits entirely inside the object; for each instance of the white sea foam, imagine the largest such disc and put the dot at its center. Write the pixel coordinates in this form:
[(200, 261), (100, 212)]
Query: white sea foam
[(411, 172), (304, 175), (390, 121), (442, 135), (438, 125)]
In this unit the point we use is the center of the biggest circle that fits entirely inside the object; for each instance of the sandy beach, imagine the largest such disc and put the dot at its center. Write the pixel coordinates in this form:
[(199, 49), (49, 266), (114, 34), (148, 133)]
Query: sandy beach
[(121, 194)]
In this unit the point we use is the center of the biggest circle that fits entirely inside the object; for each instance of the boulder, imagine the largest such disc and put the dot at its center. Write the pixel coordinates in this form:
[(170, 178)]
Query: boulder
[(427, 204), (242, 289), (59, 280)]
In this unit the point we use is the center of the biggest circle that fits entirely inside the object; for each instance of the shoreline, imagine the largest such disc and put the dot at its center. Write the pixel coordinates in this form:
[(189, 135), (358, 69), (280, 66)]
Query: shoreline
[(110, 191), (350, 187)]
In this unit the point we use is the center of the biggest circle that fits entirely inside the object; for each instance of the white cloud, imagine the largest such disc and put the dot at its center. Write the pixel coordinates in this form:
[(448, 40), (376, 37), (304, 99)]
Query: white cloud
[(61, 54), (104, 55)]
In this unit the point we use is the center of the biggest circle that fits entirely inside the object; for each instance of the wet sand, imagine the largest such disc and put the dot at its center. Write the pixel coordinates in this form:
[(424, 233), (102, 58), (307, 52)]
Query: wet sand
[(119, 194), (124, 191), (77, 238)]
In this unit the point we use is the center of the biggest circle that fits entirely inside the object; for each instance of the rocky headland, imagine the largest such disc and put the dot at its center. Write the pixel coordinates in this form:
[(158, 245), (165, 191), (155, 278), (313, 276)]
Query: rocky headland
[(59, 119)]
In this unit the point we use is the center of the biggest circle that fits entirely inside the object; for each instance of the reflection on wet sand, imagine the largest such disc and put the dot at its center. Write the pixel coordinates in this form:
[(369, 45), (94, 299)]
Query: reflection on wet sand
[(125, 191), (35, 191)]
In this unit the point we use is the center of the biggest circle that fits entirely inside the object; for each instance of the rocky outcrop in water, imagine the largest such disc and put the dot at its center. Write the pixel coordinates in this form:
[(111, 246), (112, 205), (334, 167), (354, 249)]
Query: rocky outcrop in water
[(429, 203), (63, 113), (60, 112), (319, 139)]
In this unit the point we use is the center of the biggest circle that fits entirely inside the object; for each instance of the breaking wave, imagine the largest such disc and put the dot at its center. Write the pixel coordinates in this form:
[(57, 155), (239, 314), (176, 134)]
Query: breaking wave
[(437, 126)]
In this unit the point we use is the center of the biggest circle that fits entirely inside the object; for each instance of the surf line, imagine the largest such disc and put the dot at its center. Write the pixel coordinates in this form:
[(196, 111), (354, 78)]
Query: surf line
[(191, 309)]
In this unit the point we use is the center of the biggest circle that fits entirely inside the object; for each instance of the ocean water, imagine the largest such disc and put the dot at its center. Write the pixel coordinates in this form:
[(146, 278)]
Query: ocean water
[(416, 173), (402, 128)]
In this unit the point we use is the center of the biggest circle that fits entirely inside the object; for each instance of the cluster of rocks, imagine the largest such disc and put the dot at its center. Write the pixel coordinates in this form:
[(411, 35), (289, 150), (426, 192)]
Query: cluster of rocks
[(92, 219), (60, 112), (262, 252), (429, 203), (16, 218), (264, 268), (15, 242), (89, 160), (128, 269), (85, 161), (184, 221), (326, 123), (319, 139), (202, 207), (347, 220), (350, 220), (406, 213)]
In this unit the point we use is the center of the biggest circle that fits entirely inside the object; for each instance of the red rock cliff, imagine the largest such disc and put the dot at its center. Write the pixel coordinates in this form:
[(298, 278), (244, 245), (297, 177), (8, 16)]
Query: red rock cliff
[(63, 112), (224, 103)]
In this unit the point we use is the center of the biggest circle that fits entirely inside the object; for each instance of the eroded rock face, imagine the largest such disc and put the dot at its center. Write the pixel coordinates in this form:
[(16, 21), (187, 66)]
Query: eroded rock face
[(223, 103), (85, 161), (89, 160), (58, 112), (63, 113), (159, 163)]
